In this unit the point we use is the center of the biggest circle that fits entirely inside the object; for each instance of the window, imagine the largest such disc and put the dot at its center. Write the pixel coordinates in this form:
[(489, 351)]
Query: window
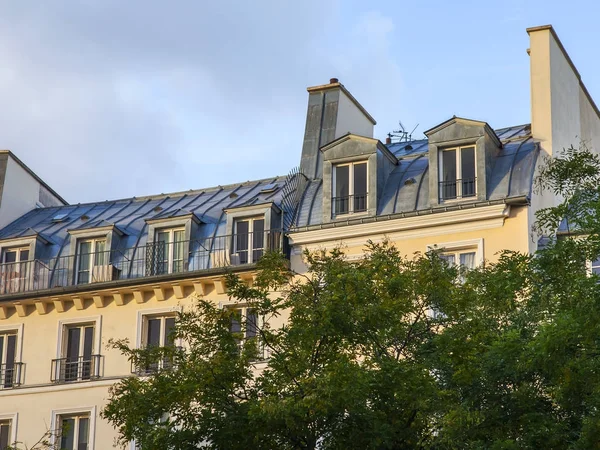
[(78, 361), (156, 332), (14, 270), (74, 431), (457, 173), (243, 321), (92, 261), (167, 253), (248, 240), (464, 258), (5, 433), (349, 188), (10, 369)]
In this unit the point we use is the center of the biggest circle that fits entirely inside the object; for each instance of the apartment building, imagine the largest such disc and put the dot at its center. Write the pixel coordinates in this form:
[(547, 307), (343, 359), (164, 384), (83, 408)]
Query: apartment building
[(74, 276)]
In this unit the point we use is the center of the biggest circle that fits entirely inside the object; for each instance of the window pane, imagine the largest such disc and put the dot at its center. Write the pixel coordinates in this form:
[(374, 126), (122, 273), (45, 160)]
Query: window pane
[(73, 338), (360, 179), (448, 185), (449, 258), (9, 368), (83, 435), (241, 240), (342, 189), (169, 325), (467, 260), (162, 249), (100, 253), (162, 236), (153, 336), (10, 256), (251, 323), (360, 187), (88, 342), (2, 338), (67, 432), (258, 239), (178, 251), (4, 434), (24, 256), (467, 167), (85, 249), (235, 321)]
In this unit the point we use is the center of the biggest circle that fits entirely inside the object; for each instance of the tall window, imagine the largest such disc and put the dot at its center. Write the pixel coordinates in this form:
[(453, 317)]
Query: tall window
[(457, 173), (5, 432), (169, 251), (13, 270), (243, 322), (78, 363), (92, 261), (74, 432), (249, 239), (156, 332), (9, 369), (349, 188)]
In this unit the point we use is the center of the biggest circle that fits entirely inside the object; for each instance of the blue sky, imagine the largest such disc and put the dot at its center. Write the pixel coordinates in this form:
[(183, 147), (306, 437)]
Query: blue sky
[(109, 99)]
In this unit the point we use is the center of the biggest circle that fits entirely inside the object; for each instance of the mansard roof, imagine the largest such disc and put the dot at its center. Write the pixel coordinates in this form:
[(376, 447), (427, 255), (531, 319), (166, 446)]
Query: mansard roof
[(406, 191), (407, 187)]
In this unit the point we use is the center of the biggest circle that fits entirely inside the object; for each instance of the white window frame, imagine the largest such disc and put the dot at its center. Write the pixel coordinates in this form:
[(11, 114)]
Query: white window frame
[(351, 192), (260, 323), (57, 414), (250, 249), (18, 330), (21, 279), (459, 187), (171, 247), (457, 247), (14, 419), (65, 323), (91, 256), (142, 317)]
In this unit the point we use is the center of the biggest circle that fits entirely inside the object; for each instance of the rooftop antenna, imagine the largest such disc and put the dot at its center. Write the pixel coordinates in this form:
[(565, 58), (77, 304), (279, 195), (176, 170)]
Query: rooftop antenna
[(401, 135)]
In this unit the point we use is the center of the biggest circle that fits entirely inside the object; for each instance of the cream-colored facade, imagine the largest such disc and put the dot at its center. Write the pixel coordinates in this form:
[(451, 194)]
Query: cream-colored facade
[(77, 276)]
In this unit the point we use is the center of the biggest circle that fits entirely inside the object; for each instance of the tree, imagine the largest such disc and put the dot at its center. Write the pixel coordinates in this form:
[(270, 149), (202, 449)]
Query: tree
[(391, 352)]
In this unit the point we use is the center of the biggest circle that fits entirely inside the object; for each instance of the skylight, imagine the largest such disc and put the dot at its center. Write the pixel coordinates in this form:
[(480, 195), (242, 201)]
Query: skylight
[(269, 188), (60, 217)]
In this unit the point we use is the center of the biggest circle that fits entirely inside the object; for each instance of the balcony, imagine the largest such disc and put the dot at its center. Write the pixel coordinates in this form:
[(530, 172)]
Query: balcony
[(137, 263), (83, 368), (457, 189), (11, 375), (349, 204)]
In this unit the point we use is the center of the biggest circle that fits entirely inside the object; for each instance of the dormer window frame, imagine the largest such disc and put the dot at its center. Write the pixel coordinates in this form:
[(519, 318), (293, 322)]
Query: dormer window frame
[(252, 249), (97, 272), (459, 188), (17, 276), (186, 224), (353, 203)]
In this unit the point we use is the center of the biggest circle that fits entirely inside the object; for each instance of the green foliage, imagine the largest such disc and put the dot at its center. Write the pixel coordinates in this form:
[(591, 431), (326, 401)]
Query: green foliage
[(358, 359)]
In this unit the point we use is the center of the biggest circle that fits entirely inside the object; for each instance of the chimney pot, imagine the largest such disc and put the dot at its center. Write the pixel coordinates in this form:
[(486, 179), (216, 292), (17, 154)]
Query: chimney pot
[(388, 140), (333, 80)]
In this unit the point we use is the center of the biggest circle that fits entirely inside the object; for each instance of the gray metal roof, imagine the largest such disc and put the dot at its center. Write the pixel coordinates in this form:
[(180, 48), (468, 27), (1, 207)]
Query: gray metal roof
[(130, 215), (406, 190), (407, 187)]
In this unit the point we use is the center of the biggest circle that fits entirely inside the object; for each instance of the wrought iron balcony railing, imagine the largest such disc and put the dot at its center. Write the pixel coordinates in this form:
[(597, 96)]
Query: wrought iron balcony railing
[(456, 189), (349, 204), (155, 259), (11, 375), (82, 368)]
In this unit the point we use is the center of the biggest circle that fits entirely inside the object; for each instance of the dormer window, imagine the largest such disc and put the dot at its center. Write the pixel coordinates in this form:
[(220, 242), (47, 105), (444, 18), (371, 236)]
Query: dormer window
[(168, 251), (249, 239), (14, 270), (92, 261), (349, 188), (457, 173)]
